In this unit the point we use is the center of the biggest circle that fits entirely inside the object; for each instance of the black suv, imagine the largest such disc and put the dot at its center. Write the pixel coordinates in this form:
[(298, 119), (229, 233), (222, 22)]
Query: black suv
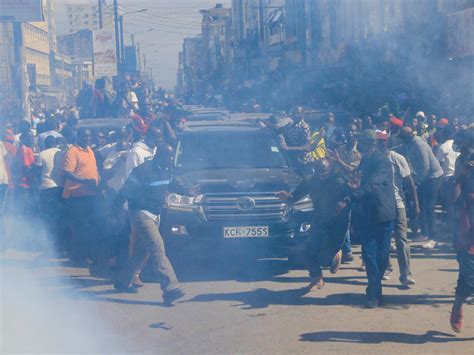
[(225, 189)]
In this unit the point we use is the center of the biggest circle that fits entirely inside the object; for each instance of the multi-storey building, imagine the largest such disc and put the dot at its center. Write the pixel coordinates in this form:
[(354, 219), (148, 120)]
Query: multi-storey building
[(37, 53)]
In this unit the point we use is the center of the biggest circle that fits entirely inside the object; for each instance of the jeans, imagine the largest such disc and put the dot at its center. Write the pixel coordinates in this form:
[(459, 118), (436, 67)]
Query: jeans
[(465, 286), (428, 194), (148, 243), (346, 246), (375, 252)]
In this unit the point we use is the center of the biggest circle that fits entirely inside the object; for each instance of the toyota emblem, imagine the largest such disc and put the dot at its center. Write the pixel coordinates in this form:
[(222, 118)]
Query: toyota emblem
[(245, 203)]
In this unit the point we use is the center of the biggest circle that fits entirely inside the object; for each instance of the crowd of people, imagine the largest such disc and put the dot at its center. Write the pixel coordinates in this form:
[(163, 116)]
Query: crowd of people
[(371, 180), (375, 180)]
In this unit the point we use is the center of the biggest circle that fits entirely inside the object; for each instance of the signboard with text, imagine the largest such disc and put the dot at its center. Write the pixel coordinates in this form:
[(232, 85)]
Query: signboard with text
[(21, 11), (105, 58)]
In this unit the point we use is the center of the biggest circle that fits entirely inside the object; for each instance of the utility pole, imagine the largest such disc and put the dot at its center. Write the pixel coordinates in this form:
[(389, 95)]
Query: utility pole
[(22, 77), (101, 20), (261, 20), (117, 40), (122, 46)]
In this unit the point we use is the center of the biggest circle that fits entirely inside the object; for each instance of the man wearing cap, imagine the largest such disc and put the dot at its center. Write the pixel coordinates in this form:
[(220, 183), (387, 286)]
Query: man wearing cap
[(401, 178), (394, 141), (373, 212), (428, 177)]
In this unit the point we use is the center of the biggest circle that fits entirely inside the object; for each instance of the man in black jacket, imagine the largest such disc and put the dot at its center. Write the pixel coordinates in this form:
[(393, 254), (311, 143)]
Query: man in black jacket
[(328, 227), (145, 191), (373, 212)]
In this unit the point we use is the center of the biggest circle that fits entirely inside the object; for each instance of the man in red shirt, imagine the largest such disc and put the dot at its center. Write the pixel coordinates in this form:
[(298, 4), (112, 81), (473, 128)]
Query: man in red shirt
[(23, 176), (464, 236)]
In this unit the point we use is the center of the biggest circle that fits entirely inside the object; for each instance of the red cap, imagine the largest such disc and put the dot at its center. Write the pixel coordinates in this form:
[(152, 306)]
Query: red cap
[(396, 122), (443, 122), (380, 135)]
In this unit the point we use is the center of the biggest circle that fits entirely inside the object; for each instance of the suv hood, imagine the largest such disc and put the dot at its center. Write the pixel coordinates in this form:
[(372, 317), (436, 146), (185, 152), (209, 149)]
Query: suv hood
[(236, 180)]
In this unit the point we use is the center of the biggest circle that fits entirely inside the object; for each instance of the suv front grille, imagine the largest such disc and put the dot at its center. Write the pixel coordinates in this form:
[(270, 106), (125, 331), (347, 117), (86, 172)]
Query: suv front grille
[(244, 206)]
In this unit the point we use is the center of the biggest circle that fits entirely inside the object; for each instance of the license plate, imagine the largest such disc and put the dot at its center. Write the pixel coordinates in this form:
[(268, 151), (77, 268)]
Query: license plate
[(246, 232)]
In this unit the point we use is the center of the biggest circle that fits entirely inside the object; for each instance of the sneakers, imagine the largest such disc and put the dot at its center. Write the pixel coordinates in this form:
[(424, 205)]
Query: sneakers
[(171, 296), (136, 282), (407, 281), (336, 262), (431, 244), (393, 248), (372, 303), (316, 283), (457, 317), (123, 288), (420, 238), (347, 258), (387, 275)]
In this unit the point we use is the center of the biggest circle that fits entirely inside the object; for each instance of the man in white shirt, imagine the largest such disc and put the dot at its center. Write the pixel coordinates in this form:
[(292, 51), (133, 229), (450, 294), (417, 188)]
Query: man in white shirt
[(49, 162), (447, 159), (114, 166), (51, 127), (445, 153), (401, 177), (142, 151)]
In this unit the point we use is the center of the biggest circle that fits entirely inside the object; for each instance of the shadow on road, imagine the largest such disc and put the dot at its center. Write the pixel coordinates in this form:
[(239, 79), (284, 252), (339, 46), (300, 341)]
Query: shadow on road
[(381, 337), (262, 298)]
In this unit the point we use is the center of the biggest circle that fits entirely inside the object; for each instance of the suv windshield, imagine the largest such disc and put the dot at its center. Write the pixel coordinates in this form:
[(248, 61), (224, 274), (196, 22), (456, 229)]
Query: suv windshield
[(229, 150)]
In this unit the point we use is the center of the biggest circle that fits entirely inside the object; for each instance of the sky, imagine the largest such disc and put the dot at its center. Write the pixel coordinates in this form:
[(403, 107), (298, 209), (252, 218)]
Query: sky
[(171, 21)]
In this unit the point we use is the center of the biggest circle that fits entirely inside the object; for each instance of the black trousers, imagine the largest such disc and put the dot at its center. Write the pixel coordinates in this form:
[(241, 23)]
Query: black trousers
[(465, 286), (323, 243), (84, 223), (52, 212)]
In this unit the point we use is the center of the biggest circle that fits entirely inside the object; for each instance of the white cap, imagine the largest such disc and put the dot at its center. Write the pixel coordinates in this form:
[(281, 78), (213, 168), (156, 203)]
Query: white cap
[(420, 114)]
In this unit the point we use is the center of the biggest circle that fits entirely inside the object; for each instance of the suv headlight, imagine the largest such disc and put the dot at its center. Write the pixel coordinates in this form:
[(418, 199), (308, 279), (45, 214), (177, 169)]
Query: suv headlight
[(178, 202), (304, 205)]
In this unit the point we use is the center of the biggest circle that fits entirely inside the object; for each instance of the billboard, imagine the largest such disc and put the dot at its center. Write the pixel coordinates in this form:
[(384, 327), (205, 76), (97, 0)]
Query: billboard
[(105, 58), (21, 11), (461, 33)]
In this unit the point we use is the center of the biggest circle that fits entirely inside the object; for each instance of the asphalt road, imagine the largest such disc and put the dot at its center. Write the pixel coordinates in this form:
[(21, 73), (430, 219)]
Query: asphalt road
[(232, 305)]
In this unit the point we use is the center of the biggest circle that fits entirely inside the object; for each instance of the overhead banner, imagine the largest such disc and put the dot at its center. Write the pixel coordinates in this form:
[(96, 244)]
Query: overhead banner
[(461, 33), (21, 11), (105, 58)]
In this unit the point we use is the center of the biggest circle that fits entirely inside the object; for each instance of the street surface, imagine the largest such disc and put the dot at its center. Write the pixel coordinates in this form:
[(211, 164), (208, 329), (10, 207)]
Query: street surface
[(232, 305)]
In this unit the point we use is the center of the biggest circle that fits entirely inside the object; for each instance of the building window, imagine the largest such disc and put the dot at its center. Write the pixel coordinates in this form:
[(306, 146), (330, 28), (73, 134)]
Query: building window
[(86, 15), (86, 22)]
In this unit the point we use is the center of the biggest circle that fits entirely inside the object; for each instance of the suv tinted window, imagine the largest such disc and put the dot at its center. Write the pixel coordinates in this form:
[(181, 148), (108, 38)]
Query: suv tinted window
[(221, 150)]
